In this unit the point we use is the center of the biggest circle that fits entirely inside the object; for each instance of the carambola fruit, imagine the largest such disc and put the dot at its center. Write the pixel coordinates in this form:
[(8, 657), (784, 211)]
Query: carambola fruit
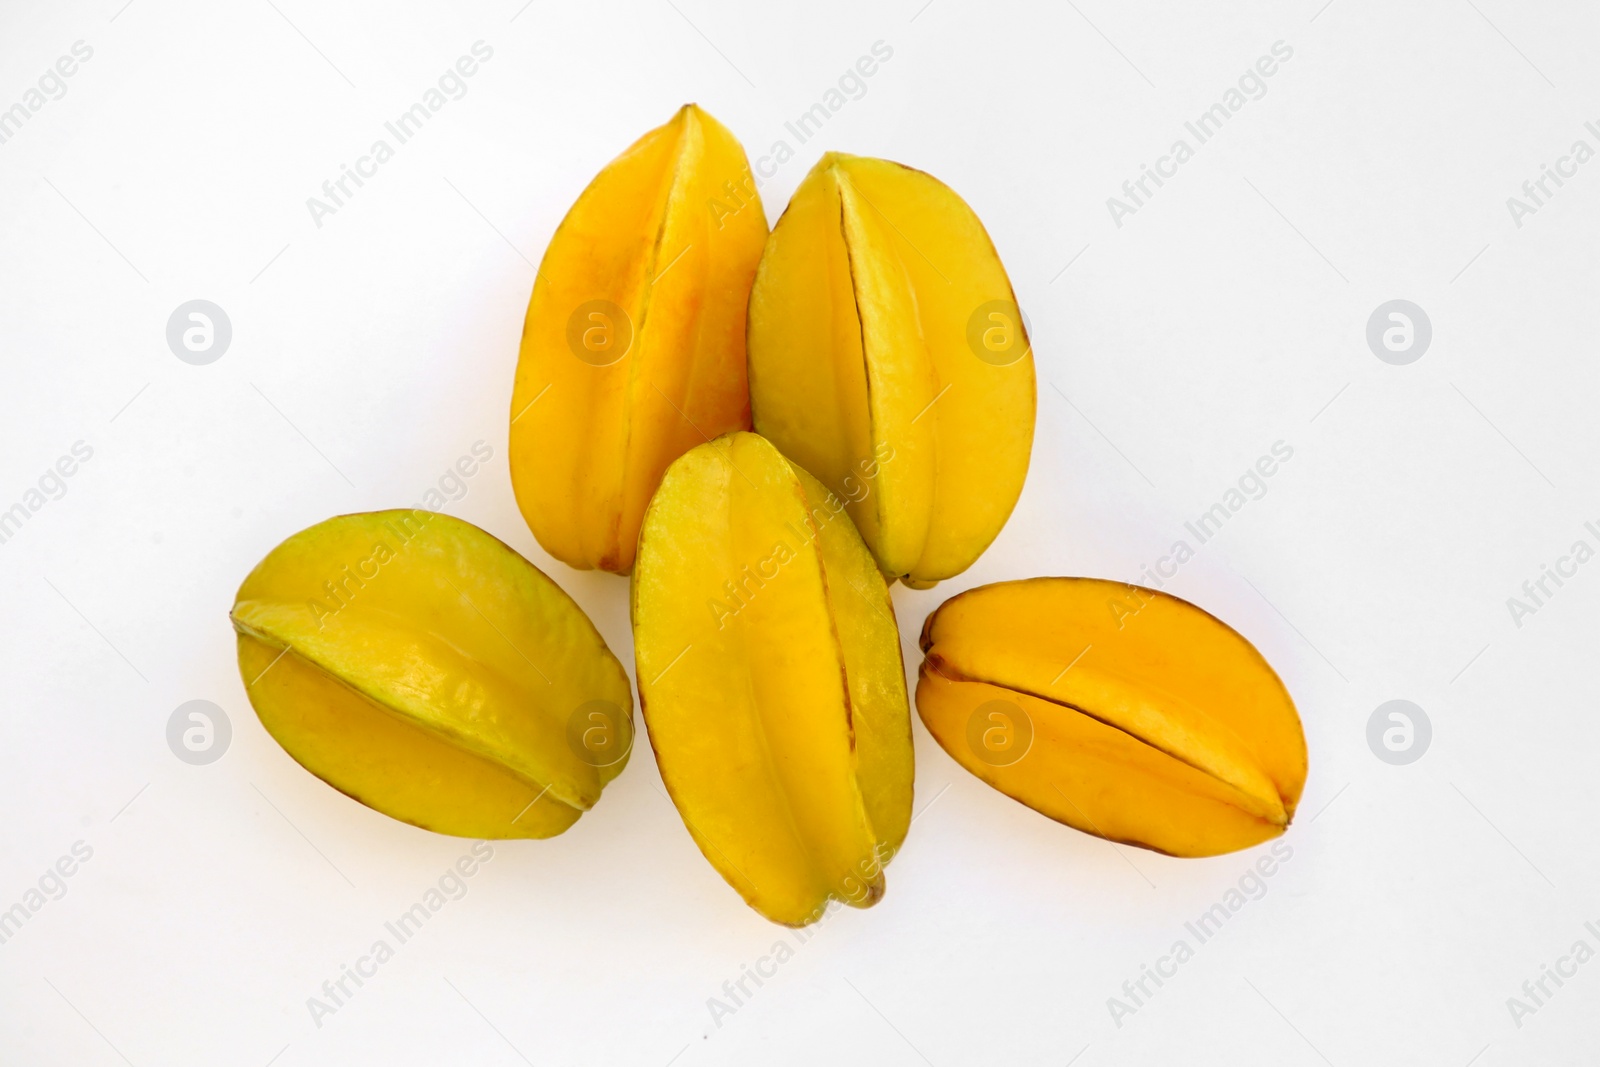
[(415, 663), (1119, 710), (888, 357), (633, 347), (771, 682)]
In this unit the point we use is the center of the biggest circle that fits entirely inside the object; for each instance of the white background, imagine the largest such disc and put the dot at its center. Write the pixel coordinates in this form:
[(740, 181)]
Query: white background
[(1229, 313)]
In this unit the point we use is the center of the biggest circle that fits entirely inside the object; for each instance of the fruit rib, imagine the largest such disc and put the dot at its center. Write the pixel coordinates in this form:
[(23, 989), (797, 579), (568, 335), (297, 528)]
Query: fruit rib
[(901, 379), (569, 495), (806, 350), (869, 647), (1100, 667), (592, 432), (983, 421), (1094, 777), (861, 366), (783, 747), (387, 762), (460, 660)]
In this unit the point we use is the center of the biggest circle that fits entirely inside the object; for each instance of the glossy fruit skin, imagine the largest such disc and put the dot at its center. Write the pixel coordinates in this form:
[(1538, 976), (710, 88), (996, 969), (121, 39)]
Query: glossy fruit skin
[(424, 668), (771, 680), (633, 346), (1122, 711), (889, 358)]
